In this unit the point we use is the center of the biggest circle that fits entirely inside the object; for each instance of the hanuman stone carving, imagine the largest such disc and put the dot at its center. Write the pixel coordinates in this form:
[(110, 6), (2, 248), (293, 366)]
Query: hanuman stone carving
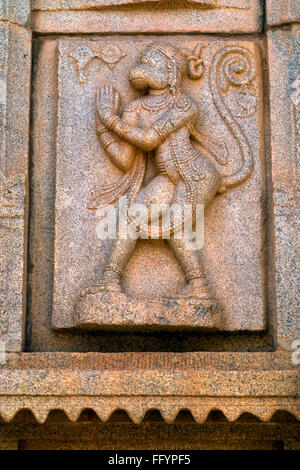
[(160, 125)]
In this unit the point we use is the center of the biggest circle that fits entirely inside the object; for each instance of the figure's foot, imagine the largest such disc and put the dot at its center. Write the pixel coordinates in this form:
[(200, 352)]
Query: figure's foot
[(109, 283), (196, 288)]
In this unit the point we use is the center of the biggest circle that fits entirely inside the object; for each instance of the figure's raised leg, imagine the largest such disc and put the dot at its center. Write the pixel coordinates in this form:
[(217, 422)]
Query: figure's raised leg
[(120, 253), (159, 191), (189, 259)]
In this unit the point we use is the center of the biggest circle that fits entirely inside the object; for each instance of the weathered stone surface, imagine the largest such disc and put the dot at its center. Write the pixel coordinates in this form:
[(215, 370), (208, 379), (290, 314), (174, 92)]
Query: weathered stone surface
[(15, 66), (284, 80), (42, 222), (86, 4), (120, 311), (250, 250), (280, 12), (292, 444), (151, 360), (87, 16), (261, 384), (233, 225), (15, 11)]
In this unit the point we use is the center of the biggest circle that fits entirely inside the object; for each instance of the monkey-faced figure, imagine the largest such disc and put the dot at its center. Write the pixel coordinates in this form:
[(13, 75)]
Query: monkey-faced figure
[(160, 124)]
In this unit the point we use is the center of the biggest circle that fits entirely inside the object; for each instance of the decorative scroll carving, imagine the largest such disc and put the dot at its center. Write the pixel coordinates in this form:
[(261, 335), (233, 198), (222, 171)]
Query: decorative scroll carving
[(162, 123), (234, 67), (83, 55)]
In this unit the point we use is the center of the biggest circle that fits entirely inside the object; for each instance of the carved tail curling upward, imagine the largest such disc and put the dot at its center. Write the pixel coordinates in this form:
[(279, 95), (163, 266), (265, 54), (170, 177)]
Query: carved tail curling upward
[(232, 66)]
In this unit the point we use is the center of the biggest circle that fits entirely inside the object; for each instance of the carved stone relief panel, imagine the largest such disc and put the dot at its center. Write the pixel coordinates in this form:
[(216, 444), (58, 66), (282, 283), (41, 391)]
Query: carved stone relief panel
[(226, 90)]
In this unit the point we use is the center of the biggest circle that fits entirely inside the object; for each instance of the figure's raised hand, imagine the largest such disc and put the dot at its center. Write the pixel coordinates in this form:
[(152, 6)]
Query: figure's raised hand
[(108, 102)]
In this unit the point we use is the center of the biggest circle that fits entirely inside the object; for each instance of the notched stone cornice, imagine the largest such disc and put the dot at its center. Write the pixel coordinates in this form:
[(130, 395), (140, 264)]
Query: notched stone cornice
[(259, 385)]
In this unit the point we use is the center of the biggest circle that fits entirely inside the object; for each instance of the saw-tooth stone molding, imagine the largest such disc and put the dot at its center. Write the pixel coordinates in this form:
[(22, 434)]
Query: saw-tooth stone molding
[(232, 383), (15, 67), (282, 12), (83, 55)]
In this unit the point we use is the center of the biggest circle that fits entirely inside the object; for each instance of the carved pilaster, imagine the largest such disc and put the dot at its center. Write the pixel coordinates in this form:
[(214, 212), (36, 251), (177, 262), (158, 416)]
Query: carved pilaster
[(280, 12), (284, 64), (15, 66)]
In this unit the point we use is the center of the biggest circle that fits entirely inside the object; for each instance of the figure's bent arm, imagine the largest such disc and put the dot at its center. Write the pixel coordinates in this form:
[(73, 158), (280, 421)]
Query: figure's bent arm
[(120, 153), (149, 138), (144, 138)]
